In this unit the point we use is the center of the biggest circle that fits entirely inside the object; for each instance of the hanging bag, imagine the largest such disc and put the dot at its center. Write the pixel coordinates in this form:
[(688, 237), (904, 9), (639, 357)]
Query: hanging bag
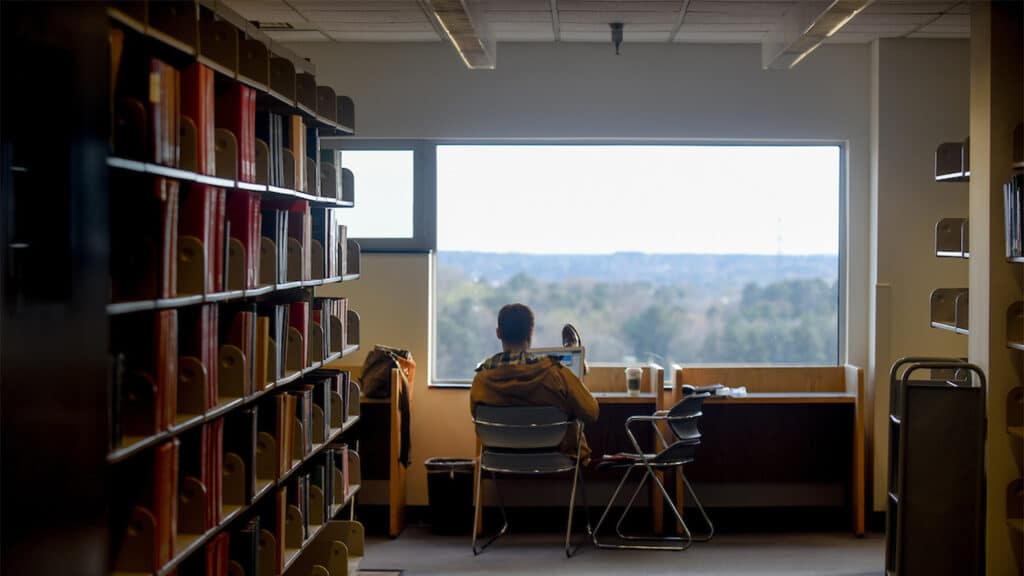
[(376, 380)]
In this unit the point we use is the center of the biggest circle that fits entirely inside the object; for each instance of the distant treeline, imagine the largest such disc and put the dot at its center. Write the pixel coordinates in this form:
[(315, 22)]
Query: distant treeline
[(636, 307)]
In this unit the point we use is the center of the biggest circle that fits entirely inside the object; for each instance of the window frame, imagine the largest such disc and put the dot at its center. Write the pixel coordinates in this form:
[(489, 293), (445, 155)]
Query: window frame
[(424, 193), (425, 212)]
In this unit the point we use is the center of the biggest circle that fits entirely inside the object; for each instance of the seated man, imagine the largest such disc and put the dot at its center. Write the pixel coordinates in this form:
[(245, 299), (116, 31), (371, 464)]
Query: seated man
[(517, 378)]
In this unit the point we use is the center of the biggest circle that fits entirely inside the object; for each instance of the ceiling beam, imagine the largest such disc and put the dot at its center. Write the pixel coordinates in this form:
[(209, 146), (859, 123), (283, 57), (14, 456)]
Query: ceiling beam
[(556, 26), (679, 21), (803, 28)]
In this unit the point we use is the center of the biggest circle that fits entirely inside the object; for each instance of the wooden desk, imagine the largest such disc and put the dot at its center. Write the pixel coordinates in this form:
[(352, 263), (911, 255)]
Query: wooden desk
[(719, 462)]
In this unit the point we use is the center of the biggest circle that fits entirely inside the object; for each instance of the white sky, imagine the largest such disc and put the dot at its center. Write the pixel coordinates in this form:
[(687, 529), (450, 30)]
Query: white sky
[(603, 199)]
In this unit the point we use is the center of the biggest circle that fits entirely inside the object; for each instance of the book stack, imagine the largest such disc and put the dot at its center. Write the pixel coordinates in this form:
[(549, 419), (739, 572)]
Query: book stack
[(201, 224), (218, 555), (1013, 214), (236, 112), (144, 238), (197, 104), (244, 218), (298, 496), (238, 329), (270, 129), (240, 431), (145, 347), (275, 230), (245, 547)]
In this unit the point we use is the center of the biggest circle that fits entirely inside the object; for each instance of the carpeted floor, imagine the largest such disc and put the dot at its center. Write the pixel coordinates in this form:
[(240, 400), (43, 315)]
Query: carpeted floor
[(417, 551)]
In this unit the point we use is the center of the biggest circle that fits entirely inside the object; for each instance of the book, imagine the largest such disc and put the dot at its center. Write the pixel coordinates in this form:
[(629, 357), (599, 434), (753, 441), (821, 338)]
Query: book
[(198, 104), (240, 430), (144, 240), (245, 547), (238, 329), (235, 111), (298, 147), (214, 481), (164, 503), (218, 555), (197, 219), (243, 209)]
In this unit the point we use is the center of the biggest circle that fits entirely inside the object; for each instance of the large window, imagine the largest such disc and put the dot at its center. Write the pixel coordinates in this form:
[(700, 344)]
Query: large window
[(670, 253)]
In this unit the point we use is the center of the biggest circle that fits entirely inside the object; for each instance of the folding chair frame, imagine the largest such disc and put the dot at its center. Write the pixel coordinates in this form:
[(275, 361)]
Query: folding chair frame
[(647, 462), (577, 478)]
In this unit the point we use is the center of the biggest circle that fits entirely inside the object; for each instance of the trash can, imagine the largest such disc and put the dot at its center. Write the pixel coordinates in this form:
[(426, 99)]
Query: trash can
[(450, 495)]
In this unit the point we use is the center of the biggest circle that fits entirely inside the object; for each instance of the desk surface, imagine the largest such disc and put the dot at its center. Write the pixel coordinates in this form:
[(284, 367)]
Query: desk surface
[(751, 398)]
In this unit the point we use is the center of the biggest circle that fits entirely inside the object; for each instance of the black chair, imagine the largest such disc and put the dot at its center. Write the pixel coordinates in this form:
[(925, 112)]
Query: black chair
[(682, 420), (525, 440)]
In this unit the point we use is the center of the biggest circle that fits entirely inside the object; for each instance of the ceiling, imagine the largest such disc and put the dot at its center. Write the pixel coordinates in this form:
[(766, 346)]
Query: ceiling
[(711, 21)]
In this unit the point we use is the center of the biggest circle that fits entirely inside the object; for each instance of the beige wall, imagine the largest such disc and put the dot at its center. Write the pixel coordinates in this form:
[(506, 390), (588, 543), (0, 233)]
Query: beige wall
[(920, 99), (672, 91)]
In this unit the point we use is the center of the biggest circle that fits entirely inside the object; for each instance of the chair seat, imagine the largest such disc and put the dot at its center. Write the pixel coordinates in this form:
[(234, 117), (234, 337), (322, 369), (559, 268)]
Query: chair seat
[(675, 455), (526, 462)]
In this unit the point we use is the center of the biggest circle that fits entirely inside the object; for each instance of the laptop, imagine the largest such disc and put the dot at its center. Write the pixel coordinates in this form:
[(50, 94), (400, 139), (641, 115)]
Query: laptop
[(571, 358)]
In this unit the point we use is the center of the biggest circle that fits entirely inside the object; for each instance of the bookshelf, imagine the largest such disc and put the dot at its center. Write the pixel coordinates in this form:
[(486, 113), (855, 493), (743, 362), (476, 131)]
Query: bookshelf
[(996, 273), (232, 446), (949, 307)]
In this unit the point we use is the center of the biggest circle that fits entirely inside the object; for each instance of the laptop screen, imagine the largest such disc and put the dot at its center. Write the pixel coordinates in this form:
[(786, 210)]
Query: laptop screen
[(571, 358)]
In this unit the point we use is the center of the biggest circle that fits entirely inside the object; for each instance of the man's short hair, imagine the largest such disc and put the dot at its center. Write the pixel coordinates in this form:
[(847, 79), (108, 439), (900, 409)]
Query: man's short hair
[(515, 321)]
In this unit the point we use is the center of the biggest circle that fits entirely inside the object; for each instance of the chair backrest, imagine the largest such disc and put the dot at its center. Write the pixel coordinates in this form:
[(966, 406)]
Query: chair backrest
[(520, 427), (684, 416)]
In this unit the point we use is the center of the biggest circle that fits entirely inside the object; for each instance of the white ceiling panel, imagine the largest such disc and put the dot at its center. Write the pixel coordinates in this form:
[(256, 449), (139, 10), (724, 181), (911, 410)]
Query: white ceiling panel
[(397, 18), (719, 37), (515, 5), (539, 35), (687, 27), (619, 5), (587, 20), (915, 7), (738, 9), (296, 36), (355, 5), (494, 18), (385, 36)]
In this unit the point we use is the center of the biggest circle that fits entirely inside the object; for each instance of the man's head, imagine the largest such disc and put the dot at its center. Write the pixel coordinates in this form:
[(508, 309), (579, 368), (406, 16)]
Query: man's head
[(515, 326)]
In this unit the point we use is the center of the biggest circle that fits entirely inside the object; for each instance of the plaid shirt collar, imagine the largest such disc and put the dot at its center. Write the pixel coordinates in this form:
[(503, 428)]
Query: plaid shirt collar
[(502, 359)]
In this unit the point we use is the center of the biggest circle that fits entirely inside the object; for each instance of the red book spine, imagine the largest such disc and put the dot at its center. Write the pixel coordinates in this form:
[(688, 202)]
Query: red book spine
[(219, 220), (240, 207), (165, 499), (211, 350), (205, 472), (215, 466), (166, 366), (166, 193), (196, 220)]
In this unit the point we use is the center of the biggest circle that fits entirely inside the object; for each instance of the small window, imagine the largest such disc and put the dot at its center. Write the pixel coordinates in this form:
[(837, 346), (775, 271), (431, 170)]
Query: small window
[(390, 213)]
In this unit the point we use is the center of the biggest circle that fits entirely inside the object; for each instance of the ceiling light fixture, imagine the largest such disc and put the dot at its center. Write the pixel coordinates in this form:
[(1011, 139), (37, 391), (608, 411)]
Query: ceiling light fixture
[(463, 23), (803, 28)]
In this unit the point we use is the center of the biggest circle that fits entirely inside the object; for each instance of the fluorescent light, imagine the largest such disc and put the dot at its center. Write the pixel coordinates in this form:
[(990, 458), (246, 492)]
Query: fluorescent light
[(804, 27), (466, 29)]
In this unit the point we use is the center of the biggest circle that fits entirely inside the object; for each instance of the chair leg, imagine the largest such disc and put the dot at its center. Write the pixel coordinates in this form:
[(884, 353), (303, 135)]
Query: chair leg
[(686, 542), (711, 528), (477, 515), (626, 510), (604, 514), (569, 550)]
